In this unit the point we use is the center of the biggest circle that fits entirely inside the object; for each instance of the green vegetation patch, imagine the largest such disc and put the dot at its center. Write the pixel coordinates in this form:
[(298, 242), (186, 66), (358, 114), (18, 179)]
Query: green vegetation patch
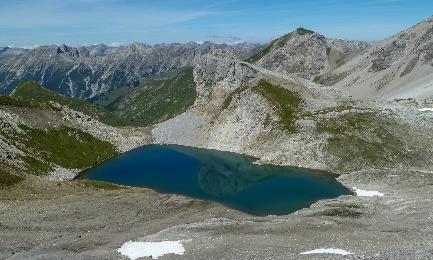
[(7, 179), (21, 102), (155, 101), (67, 147), (286, 102), (303, 31), (362, 139), (111, 97), (29, 90), (35, 166)]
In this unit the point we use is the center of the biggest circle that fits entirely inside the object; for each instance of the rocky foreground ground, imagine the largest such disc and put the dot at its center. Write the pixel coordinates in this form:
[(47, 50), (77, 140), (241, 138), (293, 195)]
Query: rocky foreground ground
[(65, 220)]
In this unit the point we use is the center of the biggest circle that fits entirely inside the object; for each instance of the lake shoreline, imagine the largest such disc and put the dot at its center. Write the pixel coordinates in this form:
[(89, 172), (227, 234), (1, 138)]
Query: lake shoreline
[(91, 222), (228, 178)]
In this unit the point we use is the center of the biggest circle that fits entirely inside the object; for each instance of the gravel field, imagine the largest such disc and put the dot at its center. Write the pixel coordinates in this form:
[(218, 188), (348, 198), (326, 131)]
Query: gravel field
[(71, 220)]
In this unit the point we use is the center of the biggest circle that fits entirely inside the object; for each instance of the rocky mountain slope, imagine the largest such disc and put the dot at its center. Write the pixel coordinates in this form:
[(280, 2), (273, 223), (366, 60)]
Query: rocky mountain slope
[(396, 68), (86, 72), (48, 139), (305, 53), (286, 120), (8, 52)]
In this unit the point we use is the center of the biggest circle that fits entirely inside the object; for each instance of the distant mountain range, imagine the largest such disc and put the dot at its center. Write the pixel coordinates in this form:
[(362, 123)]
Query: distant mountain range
[(89, 71), (398, 67)]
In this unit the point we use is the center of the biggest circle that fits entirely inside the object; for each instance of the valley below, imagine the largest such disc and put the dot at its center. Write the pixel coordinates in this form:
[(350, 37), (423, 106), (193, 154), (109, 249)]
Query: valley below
[(302, 101)]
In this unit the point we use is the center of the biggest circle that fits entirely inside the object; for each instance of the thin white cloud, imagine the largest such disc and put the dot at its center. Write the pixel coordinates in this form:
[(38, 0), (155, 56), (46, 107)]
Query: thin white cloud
[(52, 14)]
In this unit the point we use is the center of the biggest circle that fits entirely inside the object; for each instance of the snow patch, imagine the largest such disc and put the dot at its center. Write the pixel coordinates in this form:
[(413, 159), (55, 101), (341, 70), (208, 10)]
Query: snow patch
[(366, 193), (425, 109), (135, 250), (334, 251)]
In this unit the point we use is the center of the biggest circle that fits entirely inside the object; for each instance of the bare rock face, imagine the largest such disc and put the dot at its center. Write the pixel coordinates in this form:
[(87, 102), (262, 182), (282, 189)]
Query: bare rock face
[(396, 68), (89, 71), (219, 67), (8, 125), (305, 54)]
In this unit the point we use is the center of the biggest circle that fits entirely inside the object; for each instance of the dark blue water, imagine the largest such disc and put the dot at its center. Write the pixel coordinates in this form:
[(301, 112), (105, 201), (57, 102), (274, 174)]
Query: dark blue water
[(227, 178)]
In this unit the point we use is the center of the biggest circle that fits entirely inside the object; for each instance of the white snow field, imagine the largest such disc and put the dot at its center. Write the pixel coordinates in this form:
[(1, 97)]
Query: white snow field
[(135, 250), (334, 251), (366, 193)]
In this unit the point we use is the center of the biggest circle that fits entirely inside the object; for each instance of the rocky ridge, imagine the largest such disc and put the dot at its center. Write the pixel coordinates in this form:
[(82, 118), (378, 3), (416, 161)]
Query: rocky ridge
[(397, 68), (304, 53)]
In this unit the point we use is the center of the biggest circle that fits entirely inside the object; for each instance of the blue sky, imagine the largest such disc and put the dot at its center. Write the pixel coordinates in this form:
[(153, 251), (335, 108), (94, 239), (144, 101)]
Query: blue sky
[(80, 22)]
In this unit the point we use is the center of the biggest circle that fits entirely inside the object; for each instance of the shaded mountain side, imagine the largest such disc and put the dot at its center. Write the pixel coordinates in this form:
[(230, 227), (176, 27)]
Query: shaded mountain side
[(33, 91), (305, 53), (89, 71), (153, 101), (396, 68)]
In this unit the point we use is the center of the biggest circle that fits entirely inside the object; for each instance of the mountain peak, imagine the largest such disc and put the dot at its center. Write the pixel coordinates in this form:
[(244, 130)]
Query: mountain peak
[(303, 31)]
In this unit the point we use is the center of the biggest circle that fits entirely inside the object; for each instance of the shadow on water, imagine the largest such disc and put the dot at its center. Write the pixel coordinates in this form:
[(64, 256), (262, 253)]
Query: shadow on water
[(228, 178)]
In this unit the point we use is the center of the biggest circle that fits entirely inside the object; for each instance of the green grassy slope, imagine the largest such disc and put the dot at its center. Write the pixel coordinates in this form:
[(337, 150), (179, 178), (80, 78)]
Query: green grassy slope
[(66, 147), (153, 101), (287, 103), (28, 90), (111, 97), (21, 102), (363, 139)]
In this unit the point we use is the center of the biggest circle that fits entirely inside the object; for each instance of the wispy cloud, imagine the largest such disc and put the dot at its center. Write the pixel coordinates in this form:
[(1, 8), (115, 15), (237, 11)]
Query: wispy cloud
[(91, 13), (223, 38)]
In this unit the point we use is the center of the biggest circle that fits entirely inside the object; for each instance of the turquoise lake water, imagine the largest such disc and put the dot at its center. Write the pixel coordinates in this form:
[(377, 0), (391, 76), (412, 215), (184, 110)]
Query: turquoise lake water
[(228, 178)]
